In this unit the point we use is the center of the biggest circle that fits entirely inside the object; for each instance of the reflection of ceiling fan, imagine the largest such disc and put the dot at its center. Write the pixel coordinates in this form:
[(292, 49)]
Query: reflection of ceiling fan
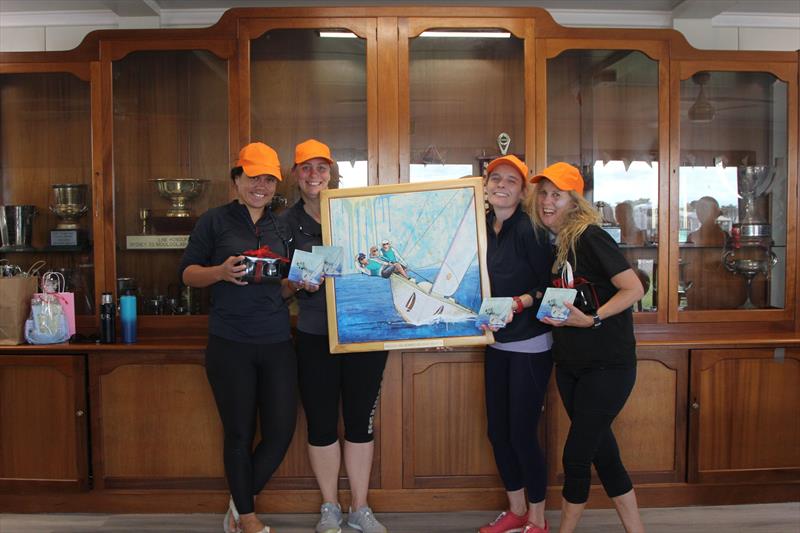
[(704, 109), (701, 111)]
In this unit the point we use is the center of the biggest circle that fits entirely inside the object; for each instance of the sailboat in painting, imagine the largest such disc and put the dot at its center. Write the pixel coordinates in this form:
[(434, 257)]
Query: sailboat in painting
[(429, 303)]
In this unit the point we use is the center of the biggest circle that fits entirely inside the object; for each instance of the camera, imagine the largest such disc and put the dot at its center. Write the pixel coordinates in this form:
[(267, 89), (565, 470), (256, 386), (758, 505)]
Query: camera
[(263, 269)]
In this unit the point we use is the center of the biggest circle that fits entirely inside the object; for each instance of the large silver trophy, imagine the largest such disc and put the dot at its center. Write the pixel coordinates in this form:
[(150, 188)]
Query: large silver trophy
[(750, 253), (70, 203), (179, 191)]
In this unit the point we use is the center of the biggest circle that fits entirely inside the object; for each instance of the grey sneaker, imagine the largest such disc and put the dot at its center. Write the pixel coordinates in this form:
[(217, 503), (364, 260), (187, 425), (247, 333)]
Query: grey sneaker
[(363, 520), (330, 518)]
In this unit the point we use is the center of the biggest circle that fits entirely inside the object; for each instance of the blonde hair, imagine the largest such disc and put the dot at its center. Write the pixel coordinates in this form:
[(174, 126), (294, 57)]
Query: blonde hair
[(581, 216)]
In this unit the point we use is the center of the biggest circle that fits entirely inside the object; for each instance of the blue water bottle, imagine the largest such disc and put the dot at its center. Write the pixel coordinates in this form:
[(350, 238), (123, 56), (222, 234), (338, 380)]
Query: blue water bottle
[(127, 317)]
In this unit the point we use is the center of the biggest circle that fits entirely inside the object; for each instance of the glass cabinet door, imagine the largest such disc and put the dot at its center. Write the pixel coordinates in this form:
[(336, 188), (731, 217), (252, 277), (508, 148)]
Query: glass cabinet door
[(732, 207), (311, 83), (46, 165), (170, 111), (603, 118), (466, 87)]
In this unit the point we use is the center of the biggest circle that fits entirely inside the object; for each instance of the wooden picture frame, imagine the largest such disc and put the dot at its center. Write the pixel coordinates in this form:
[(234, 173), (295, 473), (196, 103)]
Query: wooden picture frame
[(424, 288)]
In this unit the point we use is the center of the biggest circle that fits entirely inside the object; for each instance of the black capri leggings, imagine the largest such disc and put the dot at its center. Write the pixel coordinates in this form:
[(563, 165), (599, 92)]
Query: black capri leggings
[(324, 378), (593, 397), (245, 379)]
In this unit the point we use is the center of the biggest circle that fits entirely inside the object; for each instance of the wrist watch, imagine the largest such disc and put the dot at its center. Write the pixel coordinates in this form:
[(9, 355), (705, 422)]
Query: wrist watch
[(596, 321)]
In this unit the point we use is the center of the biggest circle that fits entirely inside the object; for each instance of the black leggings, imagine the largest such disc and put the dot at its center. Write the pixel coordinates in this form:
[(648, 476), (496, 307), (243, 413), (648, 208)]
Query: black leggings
[(515, 388), (593, 397), (247, 378), (324, 378)]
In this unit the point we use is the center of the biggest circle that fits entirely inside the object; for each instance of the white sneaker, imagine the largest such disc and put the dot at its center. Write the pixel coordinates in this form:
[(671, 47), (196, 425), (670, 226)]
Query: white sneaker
[(330, 519), (364, 521)]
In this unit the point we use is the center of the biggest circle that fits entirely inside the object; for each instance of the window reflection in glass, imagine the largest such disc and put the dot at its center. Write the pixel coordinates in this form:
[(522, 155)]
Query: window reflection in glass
[(732, 191), (464, 91), (305, 84), (603, 118)]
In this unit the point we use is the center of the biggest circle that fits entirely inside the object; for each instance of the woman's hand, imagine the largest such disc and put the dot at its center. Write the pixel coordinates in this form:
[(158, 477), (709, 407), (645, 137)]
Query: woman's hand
[(306, 286), (487, 327), (232, 270), (576, 318)]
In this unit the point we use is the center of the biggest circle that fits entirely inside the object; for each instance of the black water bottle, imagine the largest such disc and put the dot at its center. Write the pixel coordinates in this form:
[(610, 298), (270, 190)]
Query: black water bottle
[(107, 315)]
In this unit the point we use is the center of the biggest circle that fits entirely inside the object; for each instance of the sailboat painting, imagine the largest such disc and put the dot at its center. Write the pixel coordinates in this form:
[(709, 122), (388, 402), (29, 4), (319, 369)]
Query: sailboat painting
[(414, 272)]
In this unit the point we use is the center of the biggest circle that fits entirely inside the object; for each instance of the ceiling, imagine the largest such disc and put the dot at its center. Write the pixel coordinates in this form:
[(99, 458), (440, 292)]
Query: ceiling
[(678, 8)]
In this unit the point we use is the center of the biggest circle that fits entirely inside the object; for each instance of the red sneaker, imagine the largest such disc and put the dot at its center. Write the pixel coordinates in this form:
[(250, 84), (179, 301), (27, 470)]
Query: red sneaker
[(533, 528), (506, 522)]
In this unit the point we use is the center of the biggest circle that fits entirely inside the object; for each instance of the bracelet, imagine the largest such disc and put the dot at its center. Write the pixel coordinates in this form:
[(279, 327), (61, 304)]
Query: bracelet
[(518, 305)]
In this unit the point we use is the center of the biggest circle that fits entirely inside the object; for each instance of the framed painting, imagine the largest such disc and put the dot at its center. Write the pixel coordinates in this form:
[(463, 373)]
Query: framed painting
[(414, 269)]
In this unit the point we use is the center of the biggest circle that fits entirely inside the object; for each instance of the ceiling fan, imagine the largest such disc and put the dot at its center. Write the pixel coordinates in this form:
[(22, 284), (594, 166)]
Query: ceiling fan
[(705, 109)]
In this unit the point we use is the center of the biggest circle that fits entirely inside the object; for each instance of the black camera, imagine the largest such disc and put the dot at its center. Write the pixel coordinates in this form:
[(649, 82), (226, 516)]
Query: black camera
[(264, 269)]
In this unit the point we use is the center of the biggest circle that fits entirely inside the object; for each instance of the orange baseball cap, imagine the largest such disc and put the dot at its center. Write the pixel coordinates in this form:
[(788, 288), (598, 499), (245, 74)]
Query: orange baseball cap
[(512, 160), (311, 149), (257, 159), (563, 175)]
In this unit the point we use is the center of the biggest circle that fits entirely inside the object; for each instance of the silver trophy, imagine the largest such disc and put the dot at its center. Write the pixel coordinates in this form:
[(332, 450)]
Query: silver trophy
[(751, 253), (503, 142), (70, 203), (179, 191)]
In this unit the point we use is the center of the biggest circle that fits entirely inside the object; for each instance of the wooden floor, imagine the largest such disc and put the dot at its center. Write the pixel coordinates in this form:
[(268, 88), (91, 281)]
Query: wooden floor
[(768, 518)]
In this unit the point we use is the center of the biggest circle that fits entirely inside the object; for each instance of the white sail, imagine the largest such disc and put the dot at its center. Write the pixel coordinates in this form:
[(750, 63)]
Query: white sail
[(459, 256), (418, 307)]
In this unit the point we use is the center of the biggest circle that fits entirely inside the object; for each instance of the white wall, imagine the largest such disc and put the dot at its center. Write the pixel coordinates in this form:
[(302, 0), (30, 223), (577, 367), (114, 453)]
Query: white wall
[(40, 31)]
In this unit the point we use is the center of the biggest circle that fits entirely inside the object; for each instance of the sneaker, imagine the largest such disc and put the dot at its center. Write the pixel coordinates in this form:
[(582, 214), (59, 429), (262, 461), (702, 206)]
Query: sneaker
[(363, 520), (506, 522), (330, 519), (530, 527)]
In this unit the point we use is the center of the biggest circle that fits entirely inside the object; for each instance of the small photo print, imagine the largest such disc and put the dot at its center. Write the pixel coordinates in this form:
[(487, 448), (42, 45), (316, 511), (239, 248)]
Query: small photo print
[(334, 257), (553, 303), (306, 266), (494, 311)]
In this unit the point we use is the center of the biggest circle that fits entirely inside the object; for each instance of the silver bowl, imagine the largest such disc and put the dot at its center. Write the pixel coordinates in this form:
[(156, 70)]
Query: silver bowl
[(69, 204), (179, 191)]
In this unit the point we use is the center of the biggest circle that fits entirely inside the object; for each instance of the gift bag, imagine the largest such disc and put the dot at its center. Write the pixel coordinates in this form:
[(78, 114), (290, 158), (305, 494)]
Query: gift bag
[(48, 319), (15, 305), (54, 283)]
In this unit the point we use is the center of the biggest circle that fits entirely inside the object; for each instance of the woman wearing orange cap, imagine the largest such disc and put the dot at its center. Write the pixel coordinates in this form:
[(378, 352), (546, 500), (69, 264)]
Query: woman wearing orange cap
[(594, 348), (325, 379), (250, 360), (517, 366)]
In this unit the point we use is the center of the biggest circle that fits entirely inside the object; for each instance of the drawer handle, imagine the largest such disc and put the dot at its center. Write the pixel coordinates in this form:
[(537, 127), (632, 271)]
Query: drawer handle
[(79, 412), (695, 406)]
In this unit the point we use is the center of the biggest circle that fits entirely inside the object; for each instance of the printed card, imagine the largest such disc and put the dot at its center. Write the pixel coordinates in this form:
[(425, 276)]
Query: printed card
[(553, 303), (333, 255), (494, 311), (306, 266)]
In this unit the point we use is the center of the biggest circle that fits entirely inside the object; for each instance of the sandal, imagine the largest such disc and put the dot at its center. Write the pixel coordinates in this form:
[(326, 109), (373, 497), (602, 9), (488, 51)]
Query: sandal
[(232, 512)]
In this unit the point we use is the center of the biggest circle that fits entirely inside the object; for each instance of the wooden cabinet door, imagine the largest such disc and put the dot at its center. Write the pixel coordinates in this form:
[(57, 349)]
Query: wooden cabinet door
[(444, 421), (650, 429), (745, 415), (43, 426)]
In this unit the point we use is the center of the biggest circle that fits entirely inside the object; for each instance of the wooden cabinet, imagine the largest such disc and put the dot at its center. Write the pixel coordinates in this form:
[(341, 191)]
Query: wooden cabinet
[(650, 429), (43, 423), (651, 122), (155, 425), (444, 420), (744, 422)]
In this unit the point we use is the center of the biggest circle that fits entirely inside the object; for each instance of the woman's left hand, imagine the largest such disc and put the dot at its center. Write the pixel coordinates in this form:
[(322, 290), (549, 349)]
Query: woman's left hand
[(306, 286), (576, 318)]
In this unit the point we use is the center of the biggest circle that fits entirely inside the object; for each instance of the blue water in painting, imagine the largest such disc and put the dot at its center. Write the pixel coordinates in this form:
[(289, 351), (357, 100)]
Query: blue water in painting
[(365, 312)]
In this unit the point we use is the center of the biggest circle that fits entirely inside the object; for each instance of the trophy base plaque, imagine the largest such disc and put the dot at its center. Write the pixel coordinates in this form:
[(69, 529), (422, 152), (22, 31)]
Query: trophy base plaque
[(172, 225), (68, 237)]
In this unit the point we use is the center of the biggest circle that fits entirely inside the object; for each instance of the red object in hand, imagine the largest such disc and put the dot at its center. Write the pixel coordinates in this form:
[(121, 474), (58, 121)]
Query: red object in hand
[(518, 305), (265, 253)]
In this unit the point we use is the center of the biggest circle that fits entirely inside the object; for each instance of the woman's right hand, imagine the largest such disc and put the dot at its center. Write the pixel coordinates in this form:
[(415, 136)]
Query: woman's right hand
[(233, 269)]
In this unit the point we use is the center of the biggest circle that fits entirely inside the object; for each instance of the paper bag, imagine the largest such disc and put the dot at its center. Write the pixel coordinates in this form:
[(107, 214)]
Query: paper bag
[(15, 306)]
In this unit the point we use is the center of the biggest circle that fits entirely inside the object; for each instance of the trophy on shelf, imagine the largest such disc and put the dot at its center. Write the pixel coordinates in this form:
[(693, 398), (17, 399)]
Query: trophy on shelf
[(170, 230), (750, 252), (69, 205)]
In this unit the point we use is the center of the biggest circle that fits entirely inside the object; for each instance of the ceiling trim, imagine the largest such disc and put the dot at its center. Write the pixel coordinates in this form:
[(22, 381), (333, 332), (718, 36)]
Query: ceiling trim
[(623, 18), (191, 17), (757, 20), (94, 17)]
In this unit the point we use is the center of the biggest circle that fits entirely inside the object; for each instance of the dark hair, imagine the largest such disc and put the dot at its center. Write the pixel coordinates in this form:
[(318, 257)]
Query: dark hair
[(236, 172)]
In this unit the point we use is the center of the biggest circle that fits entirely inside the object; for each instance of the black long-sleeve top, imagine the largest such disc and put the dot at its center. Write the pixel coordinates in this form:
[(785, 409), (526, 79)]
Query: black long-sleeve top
[(253, 313), (519, 262)]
